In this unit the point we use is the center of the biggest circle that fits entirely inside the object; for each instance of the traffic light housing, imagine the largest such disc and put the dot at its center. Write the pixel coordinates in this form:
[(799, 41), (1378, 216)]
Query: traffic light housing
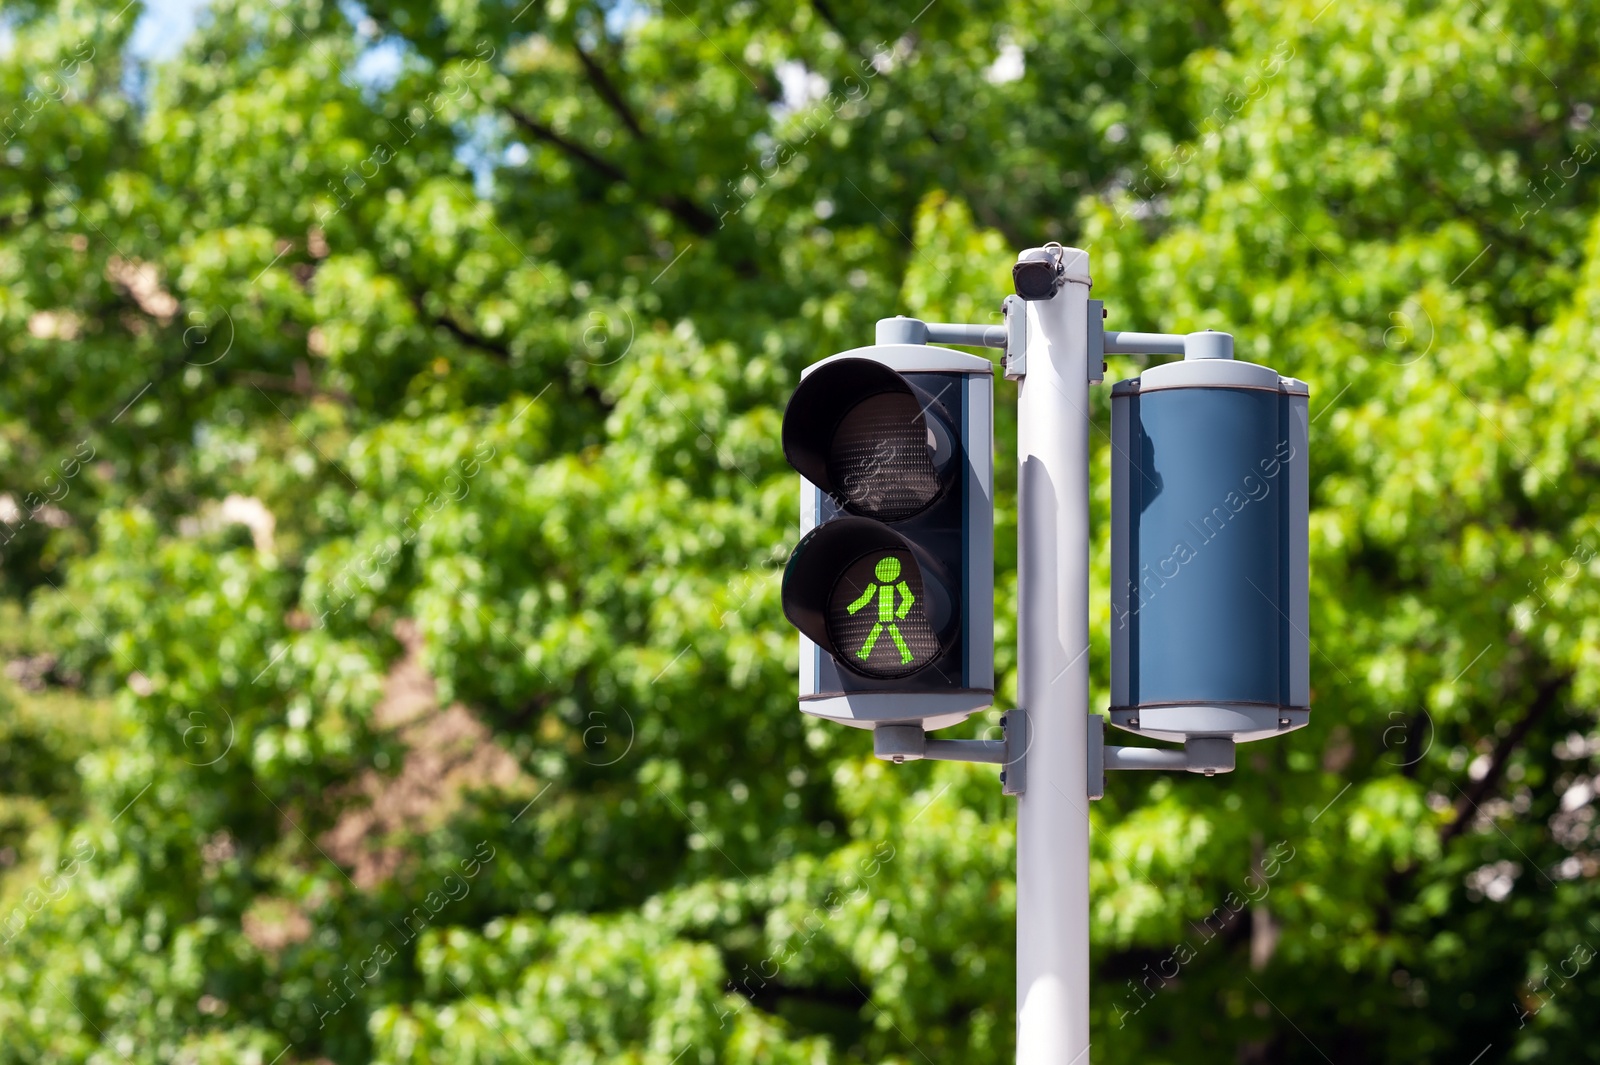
[(1210, 571), (892, 582)]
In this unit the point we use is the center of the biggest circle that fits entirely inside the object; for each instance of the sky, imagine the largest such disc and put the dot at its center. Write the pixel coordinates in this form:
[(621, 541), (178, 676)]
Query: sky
[(164, 26)]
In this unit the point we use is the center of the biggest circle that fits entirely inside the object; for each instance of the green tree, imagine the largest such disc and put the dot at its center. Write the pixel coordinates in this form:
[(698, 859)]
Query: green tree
[(393, 510)]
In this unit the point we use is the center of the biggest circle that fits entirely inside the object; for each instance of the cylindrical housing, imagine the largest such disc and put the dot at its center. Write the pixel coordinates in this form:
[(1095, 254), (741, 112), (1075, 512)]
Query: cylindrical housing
[(1209, 570)]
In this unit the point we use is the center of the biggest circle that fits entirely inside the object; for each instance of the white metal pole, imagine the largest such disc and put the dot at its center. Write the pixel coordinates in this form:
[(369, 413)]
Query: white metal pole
[(1053, 678)]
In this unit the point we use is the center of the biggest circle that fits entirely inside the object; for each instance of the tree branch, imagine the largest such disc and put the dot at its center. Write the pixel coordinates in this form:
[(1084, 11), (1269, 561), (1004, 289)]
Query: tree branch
[(690, 214), (296, 385), (608, 91), (472, 340), (1472, 797), (608, 170), (10, 223), (826, 14), (460, 332), (1469, 214)]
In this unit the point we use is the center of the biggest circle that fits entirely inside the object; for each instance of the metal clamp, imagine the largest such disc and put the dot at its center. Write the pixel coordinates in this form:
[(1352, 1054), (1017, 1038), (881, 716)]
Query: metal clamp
[(1097, 341), (908, 743), (1015, 360), (1208, 755)]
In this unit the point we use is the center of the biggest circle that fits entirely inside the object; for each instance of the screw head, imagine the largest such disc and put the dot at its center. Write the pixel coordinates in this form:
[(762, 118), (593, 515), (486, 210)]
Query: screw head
[(898, 759)]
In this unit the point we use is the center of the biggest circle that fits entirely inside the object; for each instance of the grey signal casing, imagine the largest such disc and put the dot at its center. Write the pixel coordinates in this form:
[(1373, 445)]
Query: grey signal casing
[(1210, 569), (828, 692)]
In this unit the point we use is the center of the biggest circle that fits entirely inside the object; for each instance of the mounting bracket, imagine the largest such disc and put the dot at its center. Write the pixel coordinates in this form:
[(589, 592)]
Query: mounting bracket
[(1208, 755), (908, 743)]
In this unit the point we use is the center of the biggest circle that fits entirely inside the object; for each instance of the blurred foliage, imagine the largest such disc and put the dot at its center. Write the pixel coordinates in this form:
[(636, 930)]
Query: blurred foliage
[(392, 512)]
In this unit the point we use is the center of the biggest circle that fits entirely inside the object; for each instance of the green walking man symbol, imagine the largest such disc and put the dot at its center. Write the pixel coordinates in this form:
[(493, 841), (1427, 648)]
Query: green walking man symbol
[(888, 572)]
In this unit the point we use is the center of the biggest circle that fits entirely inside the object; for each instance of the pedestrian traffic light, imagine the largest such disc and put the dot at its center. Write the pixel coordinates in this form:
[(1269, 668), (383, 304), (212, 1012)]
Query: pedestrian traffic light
[(892, 582)]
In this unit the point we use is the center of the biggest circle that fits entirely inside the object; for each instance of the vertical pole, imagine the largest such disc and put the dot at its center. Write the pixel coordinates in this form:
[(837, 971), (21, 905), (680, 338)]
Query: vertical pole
[(1053, 678)]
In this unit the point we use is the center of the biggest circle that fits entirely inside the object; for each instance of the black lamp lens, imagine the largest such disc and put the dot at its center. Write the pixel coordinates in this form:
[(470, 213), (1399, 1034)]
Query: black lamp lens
[(881, 459)]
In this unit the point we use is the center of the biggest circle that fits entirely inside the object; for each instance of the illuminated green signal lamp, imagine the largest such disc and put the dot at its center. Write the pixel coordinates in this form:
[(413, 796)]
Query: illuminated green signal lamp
[(870, 599), (891, 584)]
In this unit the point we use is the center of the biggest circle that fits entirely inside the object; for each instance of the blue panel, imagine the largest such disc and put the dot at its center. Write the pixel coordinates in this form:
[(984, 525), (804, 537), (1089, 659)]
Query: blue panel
[(1208, 596)]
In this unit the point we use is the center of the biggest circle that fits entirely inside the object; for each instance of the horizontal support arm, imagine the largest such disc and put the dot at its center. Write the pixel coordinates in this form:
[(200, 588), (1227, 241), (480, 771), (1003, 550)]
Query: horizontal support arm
[(902, 330), (1206, 344), (974, 336), (907, 743), (1146, 758), (991, 751), (1143, 343)]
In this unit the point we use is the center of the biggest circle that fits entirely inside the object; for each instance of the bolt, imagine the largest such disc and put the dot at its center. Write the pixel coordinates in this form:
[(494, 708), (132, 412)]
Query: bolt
[(1002, 776), (1002, 721), (898, 759), (1211, 772), (1133, 722), (1104, 313), (1283, 722)]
